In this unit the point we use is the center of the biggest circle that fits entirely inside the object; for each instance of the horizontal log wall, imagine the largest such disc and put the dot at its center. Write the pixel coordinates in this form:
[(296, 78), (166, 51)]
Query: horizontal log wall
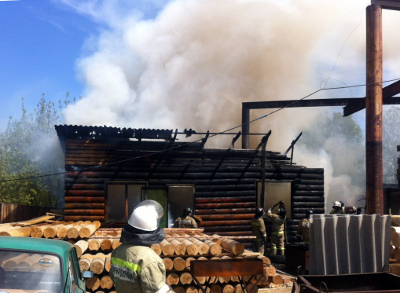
[(225, 180)]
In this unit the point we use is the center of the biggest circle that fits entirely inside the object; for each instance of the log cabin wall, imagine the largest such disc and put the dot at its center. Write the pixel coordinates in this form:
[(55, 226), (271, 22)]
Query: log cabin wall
[(225, 180)]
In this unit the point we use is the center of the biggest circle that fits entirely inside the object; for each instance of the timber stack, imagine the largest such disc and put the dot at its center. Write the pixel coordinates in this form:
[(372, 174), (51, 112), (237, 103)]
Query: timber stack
[(200, 246), (181, 246)]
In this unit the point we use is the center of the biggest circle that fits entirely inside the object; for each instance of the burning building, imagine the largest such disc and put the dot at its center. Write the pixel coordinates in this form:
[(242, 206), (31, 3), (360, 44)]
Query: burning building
[(109, 170)]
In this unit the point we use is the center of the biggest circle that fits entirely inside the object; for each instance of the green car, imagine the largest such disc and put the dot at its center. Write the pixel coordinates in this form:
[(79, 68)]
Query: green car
[(39, 265)]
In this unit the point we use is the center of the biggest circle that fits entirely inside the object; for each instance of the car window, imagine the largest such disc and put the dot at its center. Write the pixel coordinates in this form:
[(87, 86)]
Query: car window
[(21, 270), (71, 273), (74, 272)]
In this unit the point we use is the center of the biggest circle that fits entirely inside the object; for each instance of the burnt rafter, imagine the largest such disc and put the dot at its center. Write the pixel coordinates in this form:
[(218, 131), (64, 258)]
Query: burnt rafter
[(264, 141), (291, 147), (204, 140), (236, 138)]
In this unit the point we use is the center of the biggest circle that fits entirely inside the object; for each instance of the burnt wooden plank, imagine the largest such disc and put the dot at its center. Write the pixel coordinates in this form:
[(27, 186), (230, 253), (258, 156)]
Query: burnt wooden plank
[(90, 193), (222, 205), (84, 199), (225, 223), (85, 205), (224, 211), (86, 217), (225, 199), (84, 212), (230, 193), (226, 217)]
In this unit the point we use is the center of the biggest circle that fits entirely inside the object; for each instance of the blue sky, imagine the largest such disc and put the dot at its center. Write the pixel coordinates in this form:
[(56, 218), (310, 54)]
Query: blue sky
[(41, 42)]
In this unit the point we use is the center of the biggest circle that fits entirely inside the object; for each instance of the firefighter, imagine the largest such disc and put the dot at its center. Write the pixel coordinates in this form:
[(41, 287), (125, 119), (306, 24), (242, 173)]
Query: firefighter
[(135, 267), (303, 228), (186, 220), (258, 229), (339, 208), (277, 228)]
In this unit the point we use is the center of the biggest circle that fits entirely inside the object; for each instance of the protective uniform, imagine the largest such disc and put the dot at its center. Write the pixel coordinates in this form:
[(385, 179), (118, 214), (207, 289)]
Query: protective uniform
[(258, 229), (185, 221), (277, 231), (303, 228), (135, 267)]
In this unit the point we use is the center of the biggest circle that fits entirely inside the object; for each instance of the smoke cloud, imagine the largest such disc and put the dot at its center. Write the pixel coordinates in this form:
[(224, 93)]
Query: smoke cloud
[(195, 62)]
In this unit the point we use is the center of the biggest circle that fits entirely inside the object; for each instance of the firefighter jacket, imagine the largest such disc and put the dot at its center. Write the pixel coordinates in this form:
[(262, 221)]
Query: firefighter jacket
[(258, 229), (185, 222), (138, 269), (303, 230), (277, 223)]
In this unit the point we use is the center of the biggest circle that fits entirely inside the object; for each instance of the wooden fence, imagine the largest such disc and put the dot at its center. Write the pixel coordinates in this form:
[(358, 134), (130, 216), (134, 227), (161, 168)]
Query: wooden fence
[(10, 212)]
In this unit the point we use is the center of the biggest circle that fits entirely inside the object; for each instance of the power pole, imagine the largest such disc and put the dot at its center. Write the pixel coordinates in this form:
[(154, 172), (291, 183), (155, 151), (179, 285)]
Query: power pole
[(373, 111)]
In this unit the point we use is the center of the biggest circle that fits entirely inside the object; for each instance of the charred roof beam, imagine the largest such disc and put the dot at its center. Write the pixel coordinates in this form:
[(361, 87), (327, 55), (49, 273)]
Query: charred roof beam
[(291, 147)]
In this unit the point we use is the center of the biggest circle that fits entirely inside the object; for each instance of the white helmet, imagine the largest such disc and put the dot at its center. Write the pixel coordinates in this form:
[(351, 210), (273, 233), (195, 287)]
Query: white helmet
[(146, 215), (337, 204)]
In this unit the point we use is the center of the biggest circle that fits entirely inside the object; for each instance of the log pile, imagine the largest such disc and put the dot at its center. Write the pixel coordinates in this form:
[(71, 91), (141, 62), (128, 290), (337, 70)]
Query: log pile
[(181, 246), (200, 246), (56, 229)]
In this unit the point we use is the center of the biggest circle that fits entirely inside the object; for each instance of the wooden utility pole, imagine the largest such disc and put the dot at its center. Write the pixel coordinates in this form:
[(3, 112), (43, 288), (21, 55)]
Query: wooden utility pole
[(373, 106)]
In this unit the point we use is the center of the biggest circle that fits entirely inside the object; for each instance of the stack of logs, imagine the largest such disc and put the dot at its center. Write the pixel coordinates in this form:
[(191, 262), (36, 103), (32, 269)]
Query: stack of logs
[(94, 246), (179, 249)]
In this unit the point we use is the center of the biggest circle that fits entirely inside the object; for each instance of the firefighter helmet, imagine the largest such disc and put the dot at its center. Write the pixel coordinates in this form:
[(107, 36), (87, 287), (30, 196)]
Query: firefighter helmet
[(146, 216), (187, 211), (337, 204), (259, 212), (282, 212)]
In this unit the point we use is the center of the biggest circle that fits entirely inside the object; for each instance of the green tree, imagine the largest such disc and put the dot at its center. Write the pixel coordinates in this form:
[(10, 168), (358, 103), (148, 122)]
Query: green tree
[(29, 154)]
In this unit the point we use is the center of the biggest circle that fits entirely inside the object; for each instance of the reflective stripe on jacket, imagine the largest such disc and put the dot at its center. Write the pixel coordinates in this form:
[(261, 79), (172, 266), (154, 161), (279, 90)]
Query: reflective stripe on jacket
[(137, 269)]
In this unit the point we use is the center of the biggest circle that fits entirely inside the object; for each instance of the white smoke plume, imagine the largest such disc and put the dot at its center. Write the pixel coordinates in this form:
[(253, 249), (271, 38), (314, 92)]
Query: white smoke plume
[(196, 61)]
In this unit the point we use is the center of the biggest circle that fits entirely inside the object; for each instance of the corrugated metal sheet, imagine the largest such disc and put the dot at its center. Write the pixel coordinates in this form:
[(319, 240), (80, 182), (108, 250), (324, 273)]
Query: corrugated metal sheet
[(344, 244)]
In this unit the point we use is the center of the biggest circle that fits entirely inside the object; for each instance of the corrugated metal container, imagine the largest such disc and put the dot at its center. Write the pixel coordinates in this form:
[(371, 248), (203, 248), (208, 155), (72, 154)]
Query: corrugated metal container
[(346, 244)]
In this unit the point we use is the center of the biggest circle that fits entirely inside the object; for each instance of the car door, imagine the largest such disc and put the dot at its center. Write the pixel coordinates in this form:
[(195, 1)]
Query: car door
[(76, 284)]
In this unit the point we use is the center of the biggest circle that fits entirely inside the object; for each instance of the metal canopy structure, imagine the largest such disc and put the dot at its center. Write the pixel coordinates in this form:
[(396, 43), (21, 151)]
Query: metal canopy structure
[(387, 4), (350, 106)]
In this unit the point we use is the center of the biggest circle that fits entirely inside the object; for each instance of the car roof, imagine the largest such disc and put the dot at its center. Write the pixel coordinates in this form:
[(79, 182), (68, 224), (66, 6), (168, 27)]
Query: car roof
[(35, 244)]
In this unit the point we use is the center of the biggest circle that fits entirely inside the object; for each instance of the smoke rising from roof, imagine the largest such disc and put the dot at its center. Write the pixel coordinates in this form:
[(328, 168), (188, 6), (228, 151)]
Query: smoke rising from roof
[(195, 63)]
